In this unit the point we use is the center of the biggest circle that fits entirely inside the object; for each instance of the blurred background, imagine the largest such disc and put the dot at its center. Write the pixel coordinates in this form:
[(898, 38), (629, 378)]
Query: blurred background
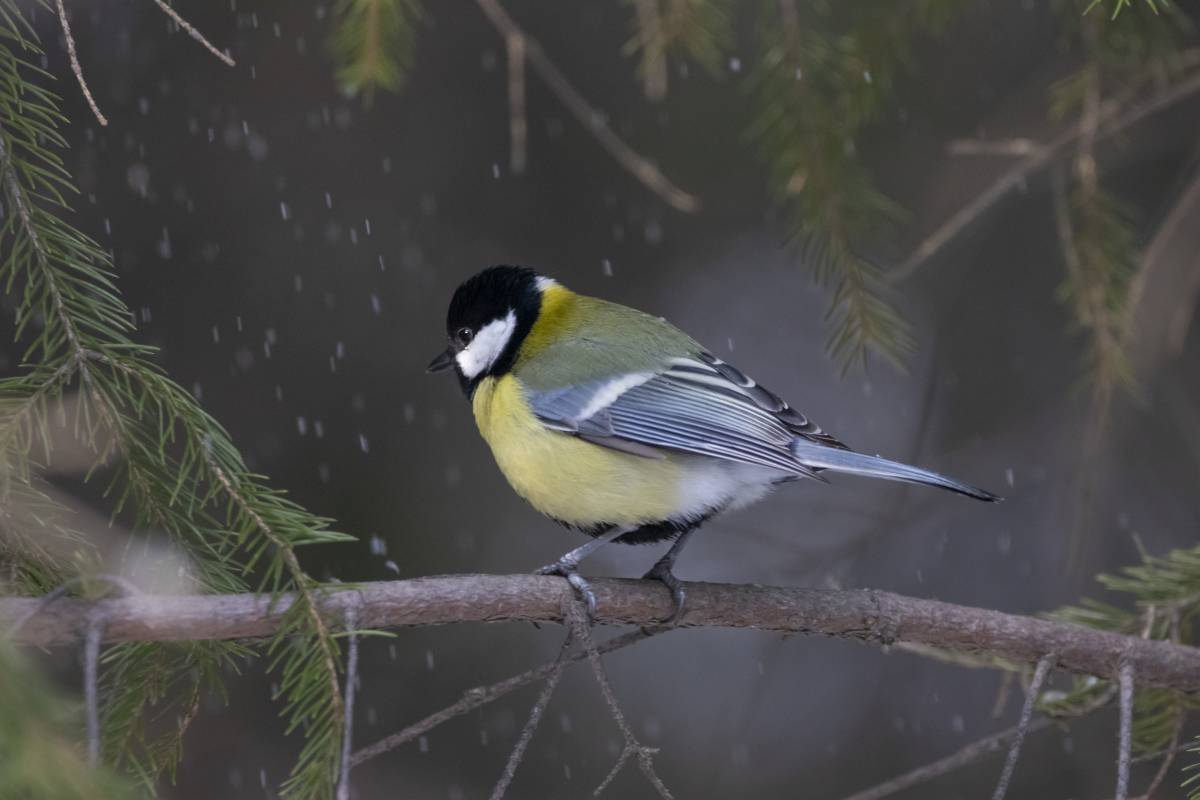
[(290, 231)]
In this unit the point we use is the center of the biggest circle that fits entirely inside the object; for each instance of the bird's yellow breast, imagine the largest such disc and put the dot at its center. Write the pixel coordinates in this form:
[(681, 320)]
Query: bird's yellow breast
[(567, 478)]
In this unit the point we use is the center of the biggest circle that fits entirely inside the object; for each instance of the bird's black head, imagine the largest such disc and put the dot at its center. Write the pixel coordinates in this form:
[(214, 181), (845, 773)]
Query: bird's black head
[(490, 315)]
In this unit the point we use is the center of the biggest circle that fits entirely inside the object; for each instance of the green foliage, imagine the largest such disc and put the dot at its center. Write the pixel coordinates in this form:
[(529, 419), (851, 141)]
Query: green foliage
[(698, 29), (152, 693), (1097, 283), (373, 42), (1193, 771), (1097, 229), (174, 469), (1165, 594), (822, 80), (38, 758)]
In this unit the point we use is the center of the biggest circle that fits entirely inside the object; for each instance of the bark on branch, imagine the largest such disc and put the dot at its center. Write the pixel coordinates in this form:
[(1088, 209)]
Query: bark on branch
[(862, 614)]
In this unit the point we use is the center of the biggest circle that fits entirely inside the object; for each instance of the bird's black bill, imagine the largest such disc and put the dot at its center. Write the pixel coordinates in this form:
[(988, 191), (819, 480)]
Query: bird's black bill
[(443, 362)]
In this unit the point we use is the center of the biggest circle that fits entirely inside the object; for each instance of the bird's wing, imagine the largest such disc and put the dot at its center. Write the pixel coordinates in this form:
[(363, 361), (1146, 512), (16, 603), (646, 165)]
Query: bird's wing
[(692, 403)]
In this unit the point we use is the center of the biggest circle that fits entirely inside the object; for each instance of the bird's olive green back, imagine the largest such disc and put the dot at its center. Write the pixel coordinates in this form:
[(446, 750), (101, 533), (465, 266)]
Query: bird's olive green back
[(578, 339)]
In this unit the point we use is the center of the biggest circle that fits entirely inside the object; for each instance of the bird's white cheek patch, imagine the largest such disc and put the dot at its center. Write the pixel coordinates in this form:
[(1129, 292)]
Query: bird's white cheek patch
[(486, 347)]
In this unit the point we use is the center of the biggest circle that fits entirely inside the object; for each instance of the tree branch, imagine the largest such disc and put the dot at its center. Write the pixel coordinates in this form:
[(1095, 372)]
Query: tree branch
[(862, 614), (482, 695), (1014, 751), (1112, 121), (966, 755), (590, 118)]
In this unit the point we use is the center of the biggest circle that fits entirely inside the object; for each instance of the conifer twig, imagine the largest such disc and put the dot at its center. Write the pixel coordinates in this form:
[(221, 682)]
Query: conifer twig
[(591, 119), (654, 58), (578, 620), (75, 67), (535, 718), (191, 31), (299, 578), (1014, 749), (482, 695)]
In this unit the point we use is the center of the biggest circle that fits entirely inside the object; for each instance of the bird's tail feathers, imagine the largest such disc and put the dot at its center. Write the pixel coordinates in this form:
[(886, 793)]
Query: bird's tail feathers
[(819, 456)]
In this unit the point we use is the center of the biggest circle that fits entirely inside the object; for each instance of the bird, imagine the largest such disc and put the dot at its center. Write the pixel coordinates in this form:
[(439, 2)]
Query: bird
[(618, 425)]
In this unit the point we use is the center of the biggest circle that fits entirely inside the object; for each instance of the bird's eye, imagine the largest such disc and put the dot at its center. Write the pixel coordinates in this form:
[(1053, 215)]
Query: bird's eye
[(465, 335)]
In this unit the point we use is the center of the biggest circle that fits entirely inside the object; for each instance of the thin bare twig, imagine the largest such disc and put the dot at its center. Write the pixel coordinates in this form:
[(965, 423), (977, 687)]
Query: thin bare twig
[(343, 789), (1018, 146), (535, 718), (789, 17), (518, 125), (1125, 731), (195, 34), (1163, 291), (75, 67), (1006, 683), (971, 753), (579, 622), (91, 685), (1113, 121), (967, 755), (1014, 749), (617, 766), (1168, 755), (480, 696), (637, 165)]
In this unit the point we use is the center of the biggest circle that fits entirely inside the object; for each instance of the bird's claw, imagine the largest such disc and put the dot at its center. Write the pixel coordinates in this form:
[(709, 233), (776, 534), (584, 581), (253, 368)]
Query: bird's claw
[(666, 577), (570, 571)]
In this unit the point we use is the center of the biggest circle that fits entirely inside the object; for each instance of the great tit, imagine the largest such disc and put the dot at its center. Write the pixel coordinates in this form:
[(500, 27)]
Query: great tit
[(617, 424)]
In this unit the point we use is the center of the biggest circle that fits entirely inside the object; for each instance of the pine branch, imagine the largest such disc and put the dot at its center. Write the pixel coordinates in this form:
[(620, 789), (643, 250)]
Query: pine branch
[(865, 615), (374, 43), (821, 83), (698, 29), (176, 468)]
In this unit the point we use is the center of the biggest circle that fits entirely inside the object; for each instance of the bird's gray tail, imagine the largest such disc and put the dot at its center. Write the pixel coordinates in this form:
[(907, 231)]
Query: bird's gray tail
[(819, 456)]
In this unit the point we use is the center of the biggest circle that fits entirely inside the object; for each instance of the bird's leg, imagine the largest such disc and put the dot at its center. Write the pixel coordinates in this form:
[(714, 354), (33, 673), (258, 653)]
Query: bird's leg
[(662, 572), (567, 565)]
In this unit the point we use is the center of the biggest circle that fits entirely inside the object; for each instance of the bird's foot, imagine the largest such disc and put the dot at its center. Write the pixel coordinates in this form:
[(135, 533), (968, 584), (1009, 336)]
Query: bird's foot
[(662, 573), (569, 569)]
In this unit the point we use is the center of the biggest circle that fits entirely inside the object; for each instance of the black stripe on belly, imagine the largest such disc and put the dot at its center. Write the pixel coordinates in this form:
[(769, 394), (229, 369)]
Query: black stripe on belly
[(650, 532)]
